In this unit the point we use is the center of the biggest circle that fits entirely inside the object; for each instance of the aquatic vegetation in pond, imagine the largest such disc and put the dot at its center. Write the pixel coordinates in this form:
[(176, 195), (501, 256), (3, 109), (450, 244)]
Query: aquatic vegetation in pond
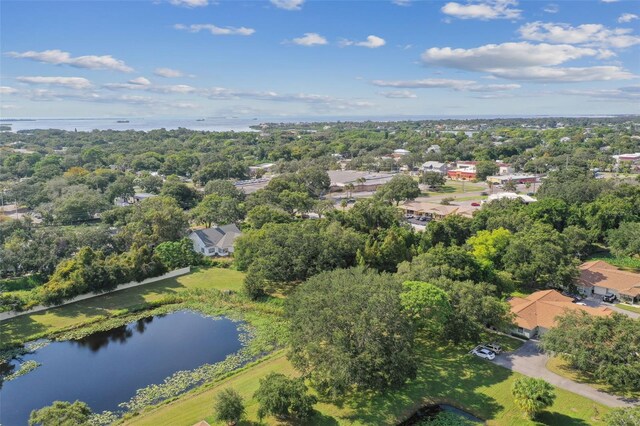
[(25, 367)]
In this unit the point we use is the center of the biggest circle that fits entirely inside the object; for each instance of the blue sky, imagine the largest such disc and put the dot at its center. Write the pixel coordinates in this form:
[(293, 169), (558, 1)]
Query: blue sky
[(200, 58)]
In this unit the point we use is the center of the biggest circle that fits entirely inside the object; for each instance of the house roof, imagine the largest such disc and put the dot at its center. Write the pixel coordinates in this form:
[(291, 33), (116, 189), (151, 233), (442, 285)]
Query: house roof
[(541, 308), (437, 209), (202, 423), (602, 274), (218, 236)]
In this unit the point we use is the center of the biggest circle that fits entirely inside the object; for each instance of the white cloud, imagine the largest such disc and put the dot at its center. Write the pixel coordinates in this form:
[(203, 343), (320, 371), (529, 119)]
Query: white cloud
[(288, 4), (58, 57), (585, 34), (629, 93), (141, 81), (310, 39), (69, 82), (551, 8), (6, 90), (627, 17), (609, 1), (399, 94), (168, 73), (427, 83), (564, 75), (9, 107), (445, 83), (401, 2), (372, 42), (505, 55), (484, 10), (215, 30), (189, 3), (145, 85)]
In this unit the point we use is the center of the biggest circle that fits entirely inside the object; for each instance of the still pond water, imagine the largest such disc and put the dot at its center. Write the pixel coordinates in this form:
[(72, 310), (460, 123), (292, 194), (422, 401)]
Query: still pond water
[(106, 368)]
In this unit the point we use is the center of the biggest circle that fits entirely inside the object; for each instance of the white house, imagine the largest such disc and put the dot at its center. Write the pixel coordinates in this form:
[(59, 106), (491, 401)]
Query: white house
[(215, 241)]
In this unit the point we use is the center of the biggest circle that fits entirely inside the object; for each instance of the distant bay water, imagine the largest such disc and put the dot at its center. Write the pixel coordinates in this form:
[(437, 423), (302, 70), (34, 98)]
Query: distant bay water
[(219, 124)]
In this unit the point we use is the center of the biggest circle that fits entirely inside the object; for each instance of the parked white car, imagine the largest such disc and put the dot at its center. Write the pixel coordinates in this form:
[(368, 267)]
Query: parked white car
[(483, 353)]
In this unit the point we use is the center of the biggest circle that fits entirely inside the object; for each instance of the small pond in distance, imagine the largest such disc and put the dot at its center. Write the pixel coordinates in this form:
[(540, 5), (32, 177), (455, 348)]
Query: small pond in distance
[(106, 368)]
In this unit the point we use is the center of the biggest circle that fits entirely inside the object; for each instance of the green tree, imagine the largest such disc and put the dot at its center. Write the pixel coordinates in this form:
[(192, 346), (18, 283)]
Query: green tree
[(399, 188), (155, 220), (532, 395), (510, 186), (625, 240), (229, 406), (217, 209), (385, 251), (61, 413), (370, 215), (485, 169), (623, 417), (427, 305), (605, 347), (223, 188), (185, 196), (489, 246), (433, 179), (348, 329), (149, 183), (261, 215), (316, 180), (540, 257), (284, 398), (122, 187), (177, 254)]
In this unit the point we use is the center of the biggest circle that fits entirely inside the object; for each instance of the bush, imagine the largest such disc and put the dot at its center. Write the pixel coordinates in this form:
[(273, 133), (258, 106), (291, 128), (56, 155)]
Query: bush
[(229, 406), (532, 395), (284, 398)]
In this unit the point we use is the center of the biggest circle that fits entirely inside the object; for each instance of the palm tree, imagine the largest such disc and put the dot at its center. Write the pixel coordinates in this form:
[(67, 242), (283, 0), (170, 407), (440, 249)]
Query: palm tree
[(532, 395)]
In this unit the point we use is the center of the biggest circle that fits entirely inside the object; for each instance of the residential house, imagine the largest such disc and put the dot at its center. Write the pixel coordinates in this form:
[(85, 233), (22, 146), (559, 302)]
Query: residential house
[(215, 241), (434, 166), (137, 197), (537, 313), (600, 278)]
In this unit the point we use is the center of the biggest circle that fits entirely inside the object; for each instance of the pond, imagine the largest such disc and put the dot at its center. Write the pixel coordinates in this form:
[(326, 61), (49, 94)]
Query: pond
[(106, 368), (430, 413)]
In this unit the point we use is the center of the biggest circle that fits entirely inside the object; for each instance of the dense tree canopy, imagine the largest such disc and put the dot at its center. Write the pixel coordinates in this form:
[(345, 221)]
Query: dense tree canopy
[(349, 330)]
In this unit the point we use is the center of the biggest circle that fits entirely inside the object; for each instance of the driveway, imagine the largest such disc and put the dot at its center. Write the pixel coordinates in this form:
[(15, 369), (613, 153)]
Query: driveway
[(530, 361), (596, 302)]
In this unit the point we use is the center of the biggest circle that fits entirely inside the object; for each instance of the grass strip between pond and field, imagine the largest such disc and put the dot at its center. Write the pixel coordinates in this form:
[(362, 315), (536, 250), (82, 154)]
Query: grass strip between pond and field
[(447, 374), (41, 324)]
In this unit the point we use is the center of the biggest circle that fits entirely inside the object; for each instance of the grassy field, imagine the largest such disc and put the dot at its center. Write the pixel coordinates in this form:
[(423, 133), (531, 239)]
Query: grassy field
[(456, 187), (28, 327), (445, 375), (561, 367), (629, 308)]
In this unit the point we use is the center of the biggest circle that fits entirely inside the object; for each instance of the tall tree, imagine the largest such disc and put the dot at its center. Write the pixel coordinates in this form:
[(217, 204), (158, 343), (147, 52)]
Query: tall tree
[(399, 188), (349, 329)]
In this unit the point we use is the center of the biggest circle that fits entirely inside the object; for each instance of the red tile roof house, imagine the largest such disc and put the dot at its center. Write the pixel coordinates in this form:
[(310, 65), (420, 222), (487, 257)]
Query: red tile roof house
[(537, 312), (600, 278)]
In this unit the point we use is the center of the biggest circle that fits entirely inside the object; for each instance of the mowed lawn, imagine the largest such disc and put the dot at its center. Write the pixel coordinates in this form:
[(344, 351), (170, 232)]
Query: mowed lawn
[(26, 327), (445, 375)]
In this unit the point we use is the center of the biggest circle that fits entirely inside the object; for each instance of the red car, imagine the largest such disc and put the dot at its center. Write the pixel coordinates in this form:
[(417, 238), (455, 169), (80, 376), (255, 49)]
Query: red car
[(475, 204)]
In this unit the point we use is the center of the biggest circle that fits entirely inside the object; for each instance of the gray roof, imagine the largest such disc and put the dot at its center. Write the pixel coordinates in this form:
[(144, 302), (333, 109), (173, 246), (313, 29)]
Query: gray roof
[(219, 236)]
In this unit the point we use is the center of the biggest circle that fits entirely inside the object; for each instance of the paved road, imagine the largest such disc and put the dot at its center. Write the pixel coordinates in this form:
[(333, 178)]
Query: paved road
[(530, 361)]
